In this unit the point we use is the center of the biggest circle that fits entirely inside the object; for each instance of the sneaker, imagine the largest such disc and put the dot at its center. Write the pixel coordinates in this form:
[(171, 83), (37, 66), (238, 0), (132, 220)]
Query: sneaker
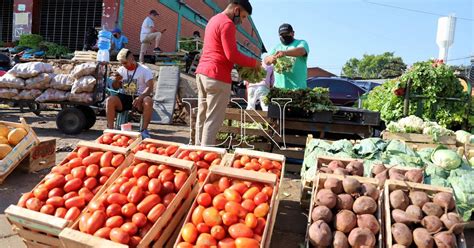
[(145, 134), (158, 50)]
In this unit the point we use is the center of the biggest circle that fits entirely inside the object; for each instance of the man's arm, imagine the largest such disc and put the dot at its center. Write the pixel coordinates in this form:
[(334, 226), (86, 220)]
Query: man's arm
[(229, 43), (294, 52)]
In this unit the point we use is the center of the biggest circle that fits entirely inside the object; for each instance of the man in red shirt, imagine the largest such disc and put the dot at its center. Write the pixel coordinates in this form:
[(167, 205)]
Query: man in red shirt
[(213, 74)]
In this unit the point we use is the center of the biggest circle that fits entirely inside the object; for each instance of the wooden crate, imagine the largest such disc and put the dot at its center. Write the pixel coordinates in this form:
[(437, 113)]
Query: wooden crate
[(391, 185), (217, 172), (134, 135), (41, 156), (415, 138), (403, 169), (72, 237), (319, 183), (42, 229), (20, 151)]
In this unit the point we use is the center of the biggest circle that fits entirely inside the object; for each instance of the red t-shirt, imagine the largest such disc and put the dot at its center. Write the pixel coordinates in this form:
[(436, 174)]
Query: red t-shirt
[(220, 52)]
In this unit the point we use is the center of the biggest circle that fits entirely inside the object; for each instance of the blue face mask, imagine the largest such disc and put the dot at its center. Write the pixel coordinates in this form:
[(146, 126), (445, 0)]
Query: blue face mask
[(237, 20)]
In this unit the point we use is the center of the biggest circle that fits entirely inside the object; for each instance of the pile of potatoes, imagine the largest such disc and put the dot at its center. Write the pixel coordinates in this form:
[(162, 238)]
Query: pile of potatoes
[(344, 214), (382, 173), (354, 168), (424, 220)]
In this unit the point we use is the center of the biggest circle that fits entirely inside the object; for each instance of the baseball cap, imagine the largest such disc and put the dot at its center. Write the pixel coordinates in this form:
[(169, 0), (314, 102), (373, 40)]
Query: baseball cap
[(244, 4), (116, 30), (285, 28), (122, 55)]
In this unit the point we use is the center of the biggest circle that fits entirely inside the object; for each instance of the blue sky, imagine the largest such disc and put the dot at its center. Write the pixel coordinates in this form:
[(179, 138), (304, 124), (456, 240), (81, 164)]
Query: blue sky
[(337, 30)]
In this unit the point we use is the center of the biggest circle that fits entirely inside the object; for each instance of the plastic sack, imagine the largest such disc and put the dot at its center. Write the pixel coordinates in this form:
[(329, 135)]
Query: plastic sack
[(8, 93), (10, 81), (82, 70), (31, 69), (81, 97), (62, 82), (52, 95), (39, 82), (28, 94), (83, 85)]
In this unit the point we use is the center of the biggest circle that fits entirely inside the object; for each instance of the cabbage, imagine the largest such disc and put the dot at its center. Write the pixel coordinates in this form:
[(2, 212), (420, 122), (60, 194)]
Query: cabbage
[(412, 124), (446, 159), (464, 137)]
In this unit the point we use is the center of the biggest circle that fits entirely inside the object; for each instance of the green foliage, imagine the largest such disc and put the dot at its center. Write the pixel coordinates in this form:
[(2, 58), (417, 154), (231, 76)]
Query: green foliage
[(189, 44), (252, 75), (284, 64), (53, 49), (30, 40), (385, 65), (432, 81), (310, 100)]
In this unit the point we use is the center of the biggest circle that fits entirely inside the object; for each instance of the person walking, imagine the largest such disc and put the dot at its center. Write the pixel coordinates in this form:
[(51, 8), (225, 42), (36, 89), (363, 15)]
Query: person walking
[(213, 75), (149, 35)]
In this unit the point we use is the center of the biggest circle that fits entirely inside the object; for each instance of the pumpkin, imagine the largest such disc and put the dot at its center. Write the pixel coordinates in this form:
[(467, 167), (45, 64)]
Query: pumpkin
[(4, 140), (16, 135), (4, 150), (4, 131)]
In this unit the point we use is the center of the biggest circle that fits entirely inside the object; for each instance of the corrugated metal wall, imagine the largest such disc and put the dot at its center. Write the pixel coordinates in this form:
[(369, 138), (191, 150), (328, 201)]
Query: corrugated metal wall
[(65, 21), (6, 20)]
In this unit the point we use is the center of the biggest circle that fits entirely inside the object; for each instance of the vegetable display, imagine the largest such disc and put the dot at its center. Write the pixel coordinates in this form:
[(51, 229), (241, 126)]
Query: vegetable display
[(118, 140), (432, 81), (344, 213), (252, 75), (9, 138), (70, 186), (162, 150), (229, 213), (258, 164), (202, 159), (414, 124), (382, 173), (309, 100), (284, 64)]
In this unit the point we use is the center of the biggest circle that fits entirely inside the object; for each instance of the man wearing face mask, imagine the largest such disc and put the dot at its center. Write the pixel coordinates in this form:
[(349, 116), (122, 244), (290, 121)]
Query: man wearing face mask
[(213, 75), (291, 47)]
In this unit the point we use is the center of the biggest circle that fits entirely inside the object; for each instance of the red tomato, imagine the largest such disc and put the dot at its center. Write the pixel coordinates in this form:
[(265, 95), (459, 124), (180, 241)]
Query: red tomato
[(204, 199), (96, 190), (179, 180), (68, 177), (148, 203), (72, 155), (166, 175), (75, 162), (194, 156), (104, 232), (260, 198), (128, 172), (135, 195), (267, 164), (183, 154), (237, 164), (90, 183), (140, 170), (83, 222), (115, 188), (129, 228), (83, 152), (76, 201), (156, 212), (47, 209), (196, 216), (56, 192), (134, 241), (117, 198), (168, 187), (125, 188), (96, 221), (277, 165), (211, 189), (143, 182), (114, 221), (70, 195), (153, 171), (219, 201), (24, 198), (139, 219), (92, 170), (251, 220), (154, 186), (250, 193), (211, 217), (106, 159), (55, 201), (244, 159), (93, 158), (107, 171), (268, 190), (117, 160), (224, 183), (120, 236), (96, 205), (240, 230), (60, 212), (63, 170), (184, 245), (103, 179), (248, 205), (167, 199), (216, 161), (202, 174), (189, 233), (86, 194), (41, 193), (205, 240), (218, 232), (246, 243), (261, 210), (79, 172), (229, 219), (241, 188), (170, 150), (211, 156), (227, 243), (202, 164), (72, 214), (232, 195), (128, 210), (55, 181)]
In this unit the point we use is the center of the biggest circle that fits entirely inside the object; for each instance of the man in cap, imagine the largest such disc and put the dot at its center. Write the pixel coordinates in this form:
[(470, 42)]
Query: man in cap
[(134, 82), (149, 34), (119, 41), (293, 48), (213, 75)]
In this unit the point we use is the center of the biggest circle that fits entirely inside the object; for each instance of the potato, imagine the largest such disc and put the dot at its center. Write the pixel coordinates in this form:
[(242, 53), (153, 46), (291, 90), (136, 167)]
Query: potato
[(345, 221), (364, 205), (370, 190), (415, 212), (451, 219), (444, 200), (431, 208), (340, 171), (423, 238), (340, 240), (326, 198), (402, 234), (368, 221), (378, 168), (333, 165), (400, 216), (334, 184), (360, 237), (445, 239), (397, 176), (432, 223), (320, 234), (351, 185), (394, 170), (344, 201), (382, 176), (399, 200), (355, 168), (414, 175), (418, 198), (321, 213)]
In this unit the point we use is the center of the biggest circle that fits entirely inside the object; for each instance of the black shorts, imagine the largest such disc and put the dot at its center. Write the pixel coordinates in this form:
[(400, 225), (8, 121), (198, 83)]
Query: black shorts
[(126, 100)]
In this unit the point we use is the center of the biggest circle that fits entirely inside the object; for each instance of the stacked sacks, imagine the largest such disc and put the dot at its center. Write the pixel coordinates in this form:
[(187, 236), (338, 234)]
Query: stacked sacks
[(84, 84), (10, 85)]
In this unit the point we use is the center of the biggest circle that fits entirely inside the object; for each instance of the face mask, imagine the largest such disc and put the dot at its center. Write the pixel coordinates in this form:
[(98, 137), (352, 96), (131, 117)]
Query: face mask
[(286, 40), (116, 35), (237, 20)]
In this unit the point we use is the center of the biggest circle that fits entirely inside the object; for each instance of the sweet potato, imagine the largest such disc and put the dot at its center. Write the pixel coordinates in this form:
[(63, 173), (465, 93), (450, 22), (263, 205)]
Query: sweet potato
[(345, 221), (444, 200), (333, 165), (334, 184), (414, 175), (351, 185), (321, 213), (431, 208), (360, 237), (399, 200), (355, 168), (378, 168), (451, 219), (370, 190), (364, 205), (423, 238), (418, 198), (432, 223), (402, 234), (400, 216), (415, 212), (320, 234), (344, 201), (340, 240), (368, 221), (326, 198)]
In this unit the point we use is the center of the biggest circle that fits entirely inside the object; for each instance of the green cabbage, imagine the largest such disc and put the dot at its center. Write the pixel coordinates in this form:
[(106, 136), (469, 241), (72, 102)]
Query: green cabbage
[(446, 159)]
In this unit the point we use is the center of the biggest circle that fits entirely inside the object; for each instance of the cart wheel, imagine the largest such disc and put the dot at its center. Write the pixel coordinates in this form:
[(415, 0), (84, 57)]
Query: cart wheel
[(90, 116), (35, 108), (71, 121)]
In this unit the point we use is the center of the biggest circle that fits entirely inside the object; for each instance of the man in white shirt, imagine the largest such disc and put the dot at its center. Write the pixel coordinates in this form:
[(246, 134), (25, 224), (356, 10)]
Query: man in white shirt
[(149, 34), (134, 82)]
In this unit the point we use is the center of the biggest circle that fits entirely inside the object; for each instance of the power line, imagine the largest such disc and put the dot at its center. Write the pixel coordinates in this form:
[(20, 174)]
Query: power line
[(415, 10), (468, 57)]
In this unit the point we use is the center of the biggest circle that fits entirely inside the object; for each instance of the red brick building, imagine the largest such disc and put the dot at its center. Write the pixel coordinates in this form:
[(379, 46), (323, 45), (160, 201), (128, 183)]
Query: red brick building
[(319, 72), (65, 21)]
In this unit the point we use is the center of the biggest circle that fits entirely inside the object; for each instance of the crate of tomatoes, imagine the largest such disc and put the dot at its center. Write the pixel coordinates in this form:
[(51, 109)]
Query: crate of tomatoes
[(139, 208), (58, 200), (234, 208), (203, 157), (160, 147), (125, 139)]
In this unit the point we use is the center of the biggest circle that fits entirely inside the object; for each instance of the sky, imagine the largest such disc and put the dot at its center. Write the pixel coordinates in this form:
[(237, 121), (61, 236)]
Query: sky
[(338, 30)]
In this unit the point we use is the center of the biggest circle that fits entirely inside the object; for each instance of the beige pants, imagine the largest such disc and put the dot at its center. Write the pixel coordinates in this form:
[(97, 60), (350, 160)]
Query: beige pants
[(147, 42), (213, 96)]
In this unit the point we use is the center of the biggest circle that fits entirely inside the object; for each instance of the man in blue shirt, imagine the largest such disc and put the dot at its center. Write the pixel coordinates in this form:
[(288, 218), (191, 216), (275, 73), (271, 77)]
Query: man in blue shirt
[(119, 41)]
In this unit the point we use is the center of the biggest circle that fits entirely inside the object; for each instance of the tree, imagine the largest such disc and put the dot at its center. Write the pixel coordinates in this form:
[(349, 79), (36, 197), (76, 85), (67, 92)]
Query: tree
[(385, 65)]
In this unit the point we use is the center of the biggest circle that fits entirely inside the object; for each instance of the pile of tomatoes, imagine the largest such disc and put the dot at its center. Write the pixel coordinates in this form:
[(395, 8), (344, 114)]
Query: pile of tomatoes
[(156, 149), (71, 186), (203, 161), (258, 164), (115, 140), (134, 202), (230, 213)]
